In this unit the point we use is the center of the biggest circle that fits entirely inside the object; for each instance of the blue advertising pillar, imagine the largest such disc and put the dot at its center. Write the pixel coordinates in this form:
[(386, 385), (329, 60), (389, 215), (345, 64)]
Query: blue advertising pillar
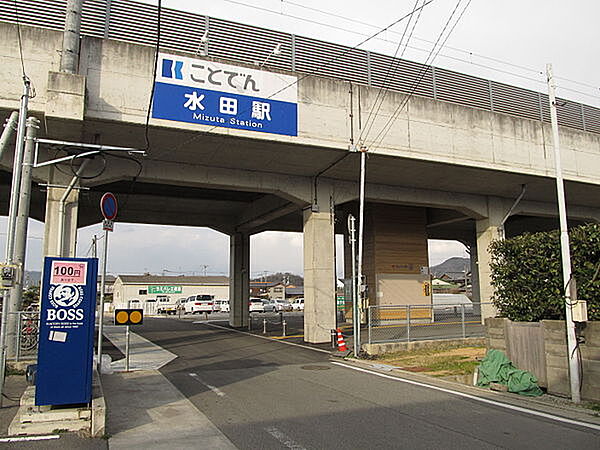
[(66, 347)]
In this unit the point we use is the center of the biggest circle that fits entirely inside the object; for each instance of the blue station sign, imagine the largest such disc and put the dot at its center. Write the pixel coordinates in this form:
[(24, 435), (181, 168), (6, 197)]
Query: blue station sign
[(66, 340), (209, 93)]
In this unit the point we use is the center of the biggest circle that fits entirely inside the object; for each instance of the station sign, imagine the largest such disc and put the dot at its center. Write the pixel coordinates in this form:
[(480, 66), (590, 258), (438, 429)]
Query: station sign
[(66, 340), (165, 289), (210, 93)]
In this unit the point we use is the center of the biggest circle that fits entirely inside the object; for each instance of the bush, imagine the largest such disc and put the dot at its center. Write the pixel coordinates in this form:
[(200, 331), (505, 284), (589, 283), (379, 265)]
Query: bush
[(527, 274)]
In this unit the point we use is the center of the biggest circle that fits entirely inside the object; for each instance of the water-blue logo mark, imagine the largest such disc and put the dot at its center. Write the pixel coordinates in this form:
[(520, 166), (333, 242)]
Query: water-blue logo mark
[(168, 71)]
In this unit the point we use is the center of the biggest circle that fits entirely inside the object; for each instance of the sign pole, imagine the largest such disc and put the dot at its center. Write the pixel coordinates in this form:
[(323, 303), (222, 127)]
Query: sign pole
[(101, 306), (127, 349)]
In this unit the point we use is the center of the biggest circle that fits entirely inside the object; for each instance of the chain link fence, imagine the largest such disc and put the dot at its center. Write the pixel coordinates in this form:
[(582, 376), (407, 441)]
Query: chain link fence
[(406, 323), (26, 332)]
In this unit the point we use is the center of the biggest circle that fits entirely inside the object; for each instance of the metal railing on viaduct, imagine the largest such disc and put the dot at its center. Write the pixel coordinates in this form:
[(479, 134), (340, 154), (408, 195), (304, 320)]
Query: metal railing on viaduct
[(182, 31)]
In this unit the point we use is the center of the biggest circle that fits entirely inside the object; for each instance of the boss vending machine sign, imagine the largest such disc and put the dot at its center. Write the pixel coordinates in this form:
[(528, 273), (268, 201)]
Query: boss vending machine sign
[(65, 354)]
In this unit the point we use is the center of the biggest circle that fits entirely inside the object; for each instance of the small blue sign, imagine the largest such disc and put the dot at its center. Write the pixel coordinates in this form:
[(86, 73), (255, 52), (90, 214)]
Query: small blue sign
[(223, 109), (66, 340)]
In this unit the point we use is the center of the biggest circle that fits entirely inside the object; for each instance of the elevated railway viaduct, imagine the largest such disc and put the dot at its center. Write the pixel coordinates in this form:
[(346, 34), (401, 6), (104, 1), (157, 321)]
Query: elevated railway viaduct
[(450, 166)]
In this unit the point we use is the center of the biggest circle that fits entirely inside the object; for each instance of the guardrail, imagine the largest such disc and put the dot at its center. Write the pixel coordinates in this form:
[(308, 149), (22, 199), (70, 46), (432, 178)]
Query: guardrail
[(406, 323)]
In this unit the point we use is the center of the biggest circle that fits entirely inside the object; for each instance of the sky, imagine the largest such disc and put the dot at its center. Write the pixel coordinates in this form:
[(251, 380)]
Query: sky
[(509, 41)]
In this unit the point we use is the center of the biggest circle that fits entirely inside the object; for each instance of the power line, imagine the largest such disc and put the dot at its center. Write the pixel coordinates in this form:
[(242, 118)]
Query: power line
[(467, 52), (382, 93), (385, 129), (157, 49), (313, 72)]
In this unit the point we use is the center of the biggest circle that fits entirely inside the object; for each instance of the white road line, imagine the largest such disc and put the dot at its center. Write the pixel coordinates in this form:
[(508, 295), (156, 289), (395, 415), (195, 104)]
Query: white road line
[(30, 438), (478, 399), (216, 390), (267, 338), (284, 439)]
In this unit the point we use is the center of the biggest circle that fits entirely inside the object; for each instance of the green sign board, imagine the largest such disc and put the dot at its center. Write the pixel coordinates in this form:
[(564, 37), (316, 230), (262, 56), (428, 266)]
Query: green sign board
[(165, 289)]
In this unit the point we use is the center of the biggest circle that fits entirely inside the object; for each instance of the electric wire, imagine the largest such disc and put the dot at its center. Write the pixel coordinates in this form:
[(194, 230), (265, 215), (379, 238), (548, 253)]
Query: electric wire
[(156, 51), (392, 69), (453, 58), (311, 73), (385, 129), (19, 39), (456, 49)]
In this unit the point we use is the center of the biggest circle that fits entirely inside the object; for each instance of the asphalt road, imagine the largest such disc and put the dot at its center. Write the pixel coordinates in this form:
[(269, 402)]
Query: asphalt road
[(268, 395)]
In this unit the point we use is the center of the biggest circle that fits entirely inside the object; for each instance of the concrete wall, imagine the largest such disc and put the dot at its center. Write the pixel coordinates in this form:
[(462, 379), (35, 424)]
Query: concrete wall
[(555, 360), (118, 80)]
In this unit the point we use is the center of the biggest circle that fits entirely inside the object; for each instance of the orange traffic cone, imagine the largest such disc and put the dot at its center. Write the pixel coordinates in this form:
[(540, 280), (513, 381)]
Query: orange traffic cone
[(341, 342)]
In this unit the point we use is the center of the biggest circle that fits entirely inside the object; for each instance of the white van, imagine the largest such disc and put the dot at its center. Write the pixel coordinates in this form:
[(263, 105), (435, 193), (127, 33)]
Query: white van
[(202, 303)]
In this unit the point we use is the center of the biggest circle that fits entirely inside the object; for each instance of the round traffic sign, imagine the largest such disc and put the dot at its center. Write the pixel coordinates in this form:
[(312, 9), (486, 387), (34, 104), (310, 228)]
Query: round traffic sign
[(108, 206), (135, 317)]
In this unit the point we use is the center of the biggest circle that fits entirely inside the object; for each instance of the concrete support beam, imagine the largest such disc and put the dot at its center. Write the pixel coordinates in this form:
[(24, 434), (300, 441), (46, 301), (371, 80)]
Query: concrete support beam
[(488, 230), (65, 96), (263, 211), (51, 229), (319, 276), (239, 279)]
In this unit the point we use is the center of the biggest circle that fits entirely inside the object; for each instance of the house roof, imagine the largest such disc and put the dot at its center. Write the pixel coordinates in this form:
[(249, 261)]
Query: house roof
[(294, 291), (188, 280)]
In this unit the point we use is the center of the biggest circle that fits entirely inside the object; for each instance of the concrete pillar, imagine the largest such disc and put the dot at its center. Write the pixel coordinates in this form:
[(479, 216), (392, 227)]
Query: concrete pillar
[(475, 294), (319, 276), (487, 229), (239, 279), (52, 222)]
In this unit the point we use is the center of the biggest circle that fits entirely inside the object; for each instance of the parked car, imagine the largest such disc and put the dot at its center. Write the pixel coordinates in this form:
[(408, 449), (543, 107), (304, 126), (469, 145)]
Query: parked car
[(202, 303), (282, 305), (298, 304), (269, 306), (256, 305), (221, 305)]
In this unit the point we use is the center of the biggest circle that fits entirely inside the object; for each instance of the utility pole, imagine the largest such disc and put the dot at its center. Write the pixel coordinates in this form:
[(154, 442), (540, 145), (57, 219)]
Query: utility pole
[(361, 223), (9, 127), (355, 313), (20, 237), (564, 246), (94, 247), (17, 165), (69, 60)]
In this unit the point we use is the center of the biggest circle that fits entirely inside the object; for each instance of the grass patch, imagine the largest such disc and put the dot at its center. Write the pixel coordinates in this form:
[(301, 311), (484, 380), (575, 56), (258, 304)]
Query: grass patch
[(438, 361)]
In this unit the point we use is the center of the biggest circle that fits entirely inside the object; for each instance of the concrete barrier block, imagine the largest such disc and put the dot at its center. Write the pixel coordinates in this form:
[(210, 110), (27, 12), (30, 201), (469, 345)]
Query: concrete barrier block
[(555, 349), (558, 381), (589, 352), (591, 333), (498, 344), (556, 362), (555, 336), (554, 325)]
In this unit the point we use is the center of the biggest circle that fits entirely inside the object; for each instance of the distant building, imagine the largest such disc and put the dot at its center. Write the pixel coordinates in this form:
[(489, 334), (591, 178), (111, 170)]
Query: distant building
[(147, 287)]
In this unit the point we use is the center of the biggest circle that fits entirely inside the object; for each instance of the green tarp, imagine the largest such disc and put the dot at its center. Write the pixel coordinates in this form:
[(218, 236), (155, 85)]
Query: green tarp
[(495, 367)]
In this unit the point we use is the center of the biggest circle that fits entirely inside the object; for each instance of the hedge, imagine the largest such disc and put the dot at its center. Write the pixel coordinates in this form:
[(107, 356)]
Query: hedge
[(527, 274)]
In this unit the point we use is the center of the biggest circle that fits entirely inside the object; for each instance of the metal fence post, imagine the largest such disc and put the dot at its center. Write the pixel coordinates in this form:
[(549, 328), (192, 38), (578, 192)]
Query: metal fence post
[(18, 338), (370, 321), (408, 323), (264, 326), (462, 320)]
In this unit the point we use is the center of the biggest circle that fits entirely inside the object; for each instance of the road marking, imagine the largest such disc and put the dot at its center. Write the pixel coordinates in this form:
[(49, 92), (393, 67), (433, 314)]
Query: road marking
[(216, 390), (284, 439), (478, 399), (30, 438), (267, 338)]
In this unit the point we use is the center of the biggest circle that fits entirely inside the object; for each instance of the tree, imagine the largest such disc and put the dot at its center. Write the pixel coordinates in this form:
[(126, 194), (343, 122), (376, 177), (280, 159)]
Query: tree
[(527, 274)]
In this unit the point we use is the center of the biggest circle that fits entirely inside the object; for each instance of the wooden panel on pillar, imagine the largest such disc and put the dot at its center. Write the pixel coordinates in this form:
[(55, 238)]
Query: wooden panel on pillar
[(395, 243)]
